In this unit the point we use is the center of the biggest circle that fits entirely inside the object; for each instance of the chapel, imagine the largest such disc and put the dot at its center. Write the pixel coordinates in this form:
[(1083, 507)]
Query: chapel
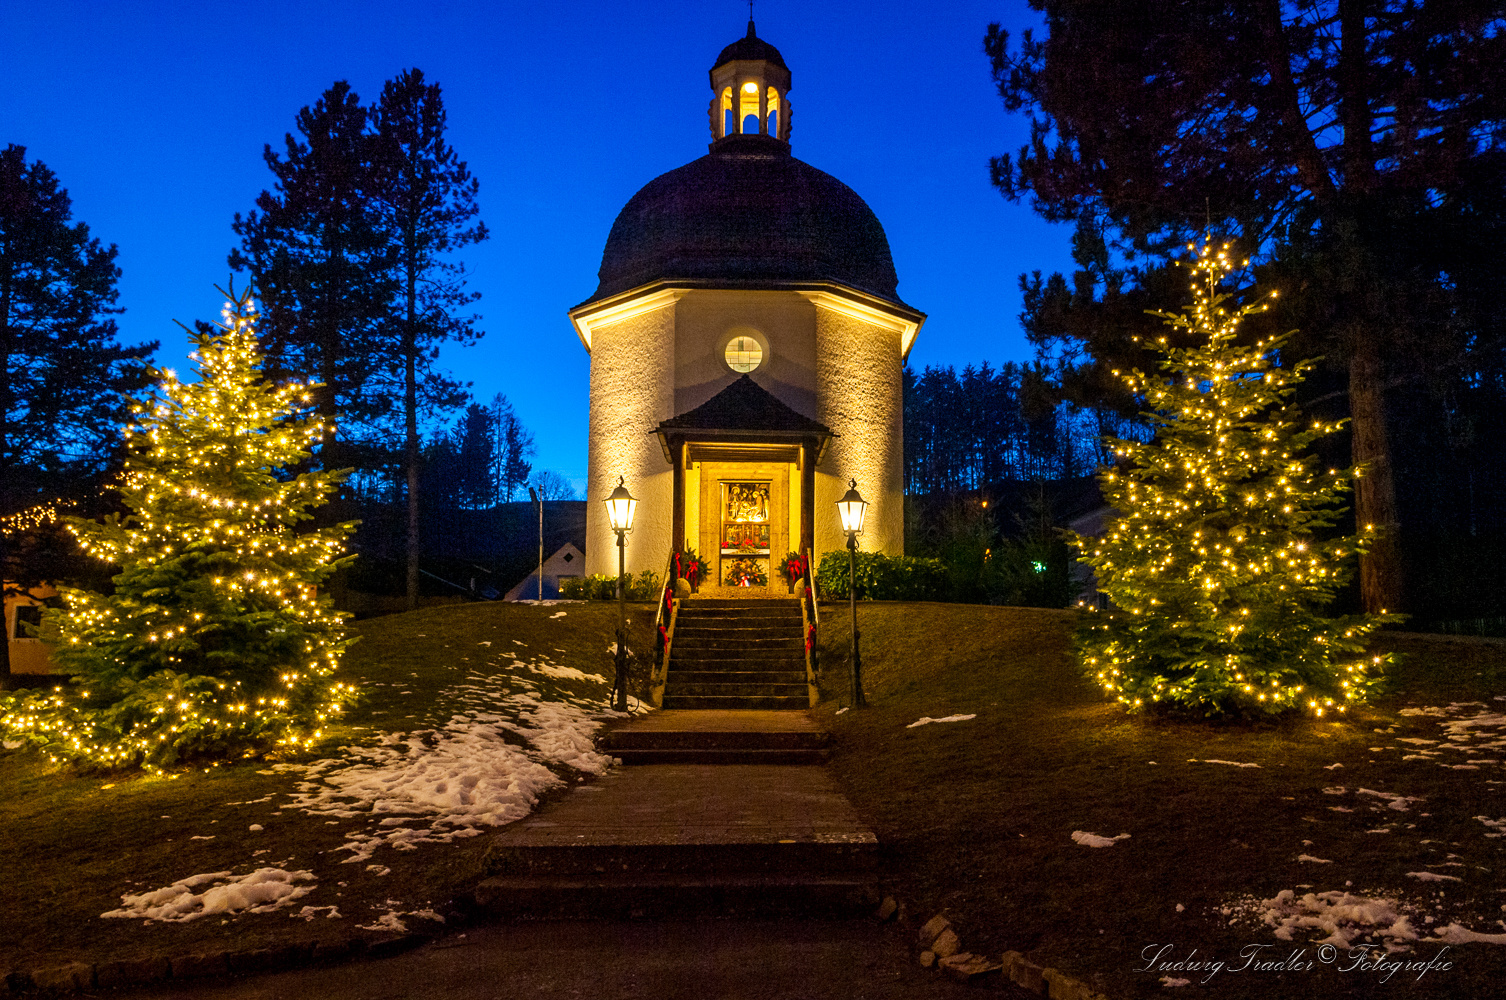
[(746, 341)]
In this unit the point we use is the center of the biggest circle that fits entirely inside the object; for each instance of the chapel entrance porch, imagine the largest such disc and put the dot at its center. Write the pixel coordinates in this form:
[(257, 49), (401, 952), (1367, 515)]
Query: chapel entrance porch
[(743, 487)]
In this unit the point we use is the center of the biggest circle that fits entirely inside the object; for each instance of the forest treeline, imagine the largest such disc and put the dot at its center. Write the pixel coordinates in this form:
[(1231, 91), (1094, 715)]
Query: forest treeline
[(985, 426)]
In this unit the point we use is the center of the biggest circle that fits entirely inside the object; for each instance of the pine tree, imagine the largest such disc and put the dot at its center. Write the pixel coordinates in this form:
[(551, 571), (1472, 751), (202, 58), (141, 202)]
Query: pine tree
[(513, 445), (1223, 556), (215, 641), (427, 199), (322, 260), (64, 377)]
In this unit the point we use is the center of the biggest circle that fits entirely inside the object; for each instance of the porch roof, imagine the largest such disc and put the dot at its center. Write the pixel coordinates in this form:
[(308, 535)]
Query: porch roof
[(744, 412)]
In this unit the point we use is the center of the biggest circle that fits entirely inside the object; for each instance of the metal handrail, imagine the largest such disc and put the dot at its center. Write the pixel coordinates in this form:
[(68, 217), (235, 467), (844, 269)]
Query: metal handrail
[(809, 620), (669, 585), (664, 633), (810, 582)]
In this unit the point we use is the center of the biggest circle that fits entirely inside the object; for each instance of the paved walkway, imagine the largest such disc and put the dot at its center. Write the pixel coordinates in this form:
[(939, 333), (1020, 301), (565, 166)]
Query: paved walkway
[(708, 960)]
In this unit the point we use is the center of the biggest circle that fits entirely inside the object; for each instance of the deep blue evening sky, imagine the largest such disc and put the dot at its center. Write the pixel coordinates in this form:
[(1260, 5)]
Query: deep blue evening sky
[(154, 116)]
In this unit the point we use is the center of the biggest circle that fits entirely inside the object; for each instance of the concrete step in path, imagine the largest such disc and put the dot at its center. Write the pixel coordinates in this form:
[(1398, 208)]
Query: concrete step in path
[(698, 837), (719, 737)]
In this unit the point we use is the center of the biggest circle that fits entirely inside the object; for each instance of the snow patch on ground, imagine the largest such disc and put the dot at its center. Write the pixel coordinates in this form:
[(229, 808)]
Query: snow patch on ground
[(1454, 934), (564, 673), (486, 767), (1094, 840), (1434, 877), (261, 891), (1341, 916), (1232, 763), (310, 912), (1401, 803), (1347, 919), (926, 720), (392, 921)]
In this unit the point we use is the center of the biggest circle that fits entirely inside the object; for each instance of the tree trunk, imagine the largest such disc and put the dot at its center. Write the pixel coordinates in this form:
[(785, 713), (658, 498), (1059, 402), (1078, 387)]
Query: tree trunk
[(5, 404), (4, 631), (1375, 490), (410, 407)]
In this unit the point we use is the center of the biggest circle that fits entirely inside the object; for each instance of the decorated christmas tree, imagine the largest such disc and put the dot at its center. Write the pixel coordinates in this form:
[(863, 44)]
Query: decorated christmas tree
[(1224, 554), (215, 641)]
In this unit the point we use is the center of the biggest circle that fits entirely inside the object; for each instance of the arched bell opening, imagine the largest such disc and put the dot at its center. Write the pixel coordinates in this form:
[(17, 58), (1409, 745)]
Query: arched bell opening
[(747, 108)]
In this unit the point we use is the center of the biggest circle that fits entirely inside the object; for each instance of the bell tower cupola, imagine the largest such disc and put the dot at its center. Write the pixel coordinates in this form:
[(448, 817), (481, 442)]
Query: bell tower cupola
[(751, 85)]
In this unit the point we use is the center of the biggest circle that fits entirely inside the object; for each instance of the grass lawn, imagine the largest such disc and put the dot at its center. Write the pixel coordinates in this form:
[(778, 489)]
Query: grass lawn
[(71, 846), (978, 815)]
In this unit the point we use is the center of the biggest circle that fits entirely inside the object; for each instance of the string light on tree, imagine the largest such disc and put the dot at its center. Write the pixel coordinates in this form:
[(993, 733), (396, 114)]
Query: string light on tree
[(31, 518), (215, 641), (1222, 559)]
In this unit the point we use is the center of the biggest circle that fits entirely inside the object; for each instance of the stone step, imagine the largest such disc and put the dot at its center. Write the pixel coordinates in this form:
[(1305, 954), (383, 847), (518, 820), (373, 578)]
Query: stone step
[(694, 665), (647, 896), (688, 756), (768, 659), (742, 606), (792, 642), (686, 675), (672, 700), (724, 626), (691, 689), (617, 740), (733, 633), (750, 613)]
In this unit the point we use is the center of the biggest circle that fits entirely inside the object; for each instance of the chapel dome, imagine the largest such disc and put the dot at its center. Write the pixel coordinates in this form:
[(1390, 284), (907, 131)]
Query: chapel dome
[(751, 47), (748, 214)]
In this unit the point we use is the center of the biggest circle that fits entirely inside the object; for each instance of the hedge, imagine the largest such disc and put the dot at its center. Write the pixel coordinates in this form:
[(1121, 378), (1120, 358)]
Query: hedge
[(644, 587), (884, 578)]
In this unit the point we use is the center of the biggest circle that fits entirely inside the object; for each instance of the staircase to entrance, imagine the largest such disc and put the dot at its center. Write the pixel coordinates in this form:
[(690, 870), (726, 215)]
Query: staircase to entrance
[(737, 654)]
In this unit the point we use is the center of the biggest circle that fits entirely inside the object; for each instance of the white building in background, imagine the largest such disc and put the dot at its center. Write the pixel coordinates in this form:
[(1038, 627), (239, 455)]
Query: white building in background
[(746, 343)]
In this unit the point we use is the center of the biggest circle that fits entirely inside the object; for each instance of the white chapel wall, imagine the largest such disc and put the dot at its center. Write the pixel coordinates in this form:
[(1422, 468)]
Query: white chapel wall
[(632, 390), (858, 369), (702, 321)]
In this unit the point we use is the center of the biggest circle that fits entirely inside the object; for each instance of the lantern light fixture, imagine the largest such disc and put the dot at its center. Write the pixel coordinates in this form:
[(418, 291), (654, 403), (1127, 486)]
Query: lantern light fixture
[(852, 508), (621, 506)]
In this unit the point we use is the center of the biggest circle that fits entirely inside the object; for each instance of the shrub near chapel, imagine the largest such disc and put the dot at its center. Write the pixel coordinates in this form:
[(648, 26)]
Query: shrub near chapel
[(1222, 558), (215, 641)]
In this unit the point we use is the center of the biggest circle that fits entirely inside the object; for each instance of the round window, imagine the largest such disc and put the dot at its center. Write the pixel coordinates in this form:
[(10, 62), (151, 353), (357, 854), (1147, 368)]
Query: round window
[(743, 354)]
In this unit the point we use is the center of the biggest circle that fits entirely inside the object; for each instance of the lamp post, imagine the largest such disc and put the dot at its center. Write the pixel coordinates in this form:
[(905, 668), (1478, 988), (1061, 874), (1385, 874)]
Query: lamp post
[(852, 507), (620, 508), (538, 502)]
